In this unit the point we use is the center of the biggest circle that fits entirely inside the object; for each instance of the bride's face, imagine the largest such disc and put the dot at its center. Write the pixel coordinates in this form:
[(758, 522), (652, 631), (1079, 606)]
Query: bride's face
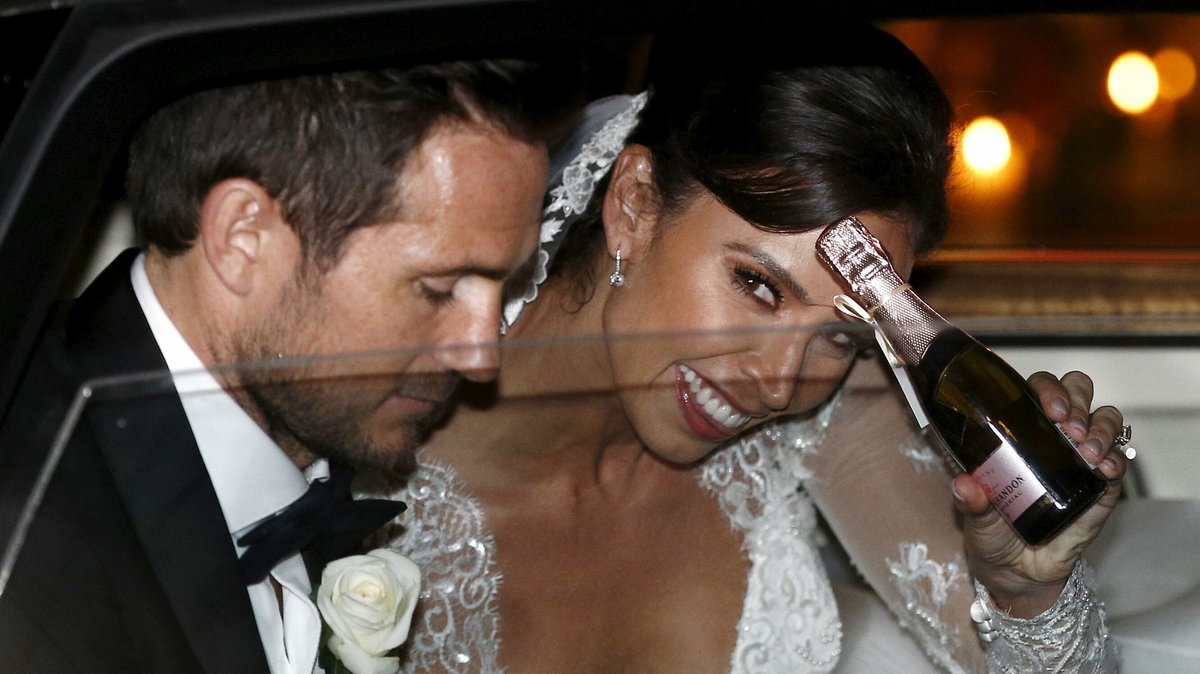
[(753, 331)]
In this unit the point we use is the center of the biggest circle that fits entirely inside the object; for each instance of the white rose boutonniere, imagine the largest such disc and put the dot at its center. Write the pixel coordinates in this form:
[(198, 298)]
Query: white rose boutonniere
[(367, 601)]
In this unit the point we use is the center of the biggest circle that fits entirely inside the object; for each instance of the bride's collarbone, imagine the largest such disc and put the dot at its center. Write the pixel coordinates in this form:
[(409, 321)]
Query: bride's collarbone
[(632, 588)]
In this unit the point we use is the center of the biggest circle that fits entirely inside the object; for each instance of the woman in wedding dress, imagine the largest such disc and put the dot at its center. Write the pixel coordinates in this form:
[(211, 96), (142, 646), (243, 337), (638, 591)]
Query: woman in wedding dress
[(604, 516)]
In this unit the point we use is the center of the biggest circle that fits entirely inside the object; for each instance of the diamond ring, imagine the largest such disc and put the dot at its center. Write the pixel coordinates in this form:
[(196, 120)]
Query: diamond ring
[(1123, 439), (1124, 436)]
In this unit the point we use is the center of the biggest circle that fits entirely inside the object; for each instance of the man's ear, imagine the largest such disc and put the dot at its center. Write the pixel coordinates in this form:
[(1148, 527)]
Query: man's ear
[(631, 204), (239, 226)]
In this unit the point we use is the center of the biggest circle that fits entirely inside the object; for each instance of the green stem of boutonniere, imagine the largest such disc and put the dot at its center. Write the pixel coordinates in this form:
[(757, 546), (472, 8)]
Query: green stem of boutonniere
[(329, 662)]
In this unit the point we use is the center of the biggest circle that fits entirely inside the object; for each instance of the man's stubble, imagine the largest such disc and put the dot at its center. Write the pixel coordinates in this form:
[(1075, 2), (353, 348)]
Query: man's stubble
[(322, 405)]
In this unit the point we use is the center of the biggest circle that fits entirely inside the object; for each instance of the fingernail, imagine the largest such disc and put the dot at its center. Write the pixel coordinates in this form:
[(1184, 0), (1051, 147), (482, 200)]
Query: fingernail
[(1110, 463), (1059, 405), (957, 497), (1093, 447), (1079, 424)]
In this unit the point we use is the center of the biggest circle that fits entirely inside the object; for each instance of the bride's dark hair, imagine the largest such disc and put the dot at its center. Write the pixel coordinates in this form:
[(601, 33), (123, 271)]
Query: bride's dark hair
[(792, 132)]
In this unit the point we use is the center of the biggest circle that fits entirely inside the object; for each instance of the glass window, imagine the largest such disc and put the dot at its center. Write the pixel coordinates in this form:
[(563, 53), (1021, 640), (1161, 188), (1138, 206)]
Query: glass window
[(1079, 131)]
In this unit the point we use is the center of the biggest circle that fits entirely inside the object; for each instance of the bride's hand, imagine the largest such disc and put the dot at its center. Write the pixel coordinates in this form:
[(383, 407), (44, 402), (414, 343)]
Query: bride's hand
[(1028, 580)]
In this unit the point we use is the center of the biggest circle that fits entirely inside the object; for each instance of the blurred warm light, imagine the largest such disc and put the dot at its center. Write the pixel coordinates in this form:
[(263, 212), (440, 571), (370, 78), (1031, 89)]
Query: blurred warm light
[(986, 147), (992, 199), (1176, 73), (1133, 82)]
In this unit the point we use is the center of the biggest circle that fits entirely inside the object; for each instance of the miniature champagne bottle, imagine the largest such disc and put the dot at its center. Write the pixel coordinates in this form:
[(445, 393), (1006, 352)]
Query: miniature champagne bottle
[(988, 418)]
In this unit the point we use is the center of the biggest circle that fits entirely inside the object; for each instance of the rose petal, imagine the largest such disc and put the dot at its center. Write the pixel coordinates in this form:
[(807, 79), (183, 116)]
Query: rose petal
[(368, 600), (359, 661)]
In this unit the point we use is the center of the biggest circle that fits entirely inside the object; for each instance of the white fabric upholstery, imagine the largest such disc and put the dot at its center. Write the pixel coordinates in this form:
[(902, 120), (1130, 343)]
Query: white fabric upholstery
[(1147, 563)]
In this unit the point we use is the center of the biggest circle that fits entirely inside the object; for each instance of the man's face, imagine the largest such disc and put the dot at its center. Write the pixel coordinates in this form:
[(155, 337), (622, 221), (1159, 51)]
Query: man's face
[(433, 278)]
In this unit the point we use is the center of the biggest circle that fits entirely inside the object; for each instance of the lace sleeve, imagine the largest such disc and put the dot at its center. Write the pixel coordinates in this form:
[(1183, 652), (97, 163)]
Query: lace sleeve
[(1070, 636), (886, 495)]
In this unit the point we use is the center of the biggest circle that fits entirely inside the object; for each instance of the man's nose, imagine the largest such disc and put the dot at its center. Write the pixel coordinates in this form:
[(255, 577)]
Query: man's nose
[(469, 343)]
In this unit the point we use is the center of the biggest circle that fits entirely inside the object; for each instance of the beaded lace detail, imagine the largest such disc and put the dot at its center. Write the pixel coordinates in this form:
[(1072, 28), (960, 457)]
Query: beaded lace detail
[(924, 586), (789, 620), (1070, 636), (923, 455), (456, 627)]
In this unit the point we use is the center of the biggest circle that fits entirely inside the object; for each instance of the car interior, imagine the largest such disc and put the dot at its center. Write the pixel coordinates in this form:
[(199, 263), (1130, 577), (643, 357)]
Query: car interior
[(1074, 241)]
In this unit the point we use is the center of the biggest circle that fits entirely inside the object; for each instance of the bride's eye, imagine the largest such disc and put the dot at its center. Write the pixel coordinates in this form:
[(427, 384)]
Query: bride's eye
[(838, 342), (751, 283)]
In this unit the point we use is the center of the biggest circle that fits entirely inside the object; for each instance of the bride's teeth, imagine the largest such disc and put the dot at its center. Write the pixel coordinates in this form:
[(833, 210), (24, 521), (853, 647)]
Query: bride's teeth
[(712, 403), (722, 413)]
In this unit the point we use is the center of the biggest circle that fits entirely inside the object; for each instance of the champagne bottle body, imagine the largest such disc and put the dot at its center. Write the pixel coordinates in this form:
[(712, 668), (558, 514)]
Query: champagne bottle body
[(993, 425), (988, 418)]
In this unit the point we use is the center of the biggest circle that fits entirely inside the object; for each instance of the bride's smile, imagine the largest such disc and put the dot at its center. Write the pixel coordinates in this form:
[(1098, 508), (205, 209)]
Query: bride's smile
[(623, 484), (720, 324), (711, 414)]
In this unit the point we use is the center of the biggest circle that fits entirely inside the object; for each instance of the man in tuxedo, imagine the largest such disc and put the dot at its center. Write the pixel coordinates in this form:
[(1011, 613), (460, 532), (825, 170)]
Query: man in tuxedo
[(284, 222)]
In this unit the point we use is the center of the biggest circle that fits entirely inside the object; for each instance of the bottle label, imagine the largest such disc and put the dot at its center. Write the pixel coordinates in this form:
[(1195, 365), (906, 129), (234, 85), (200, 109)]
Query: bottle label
[(1008, 481)]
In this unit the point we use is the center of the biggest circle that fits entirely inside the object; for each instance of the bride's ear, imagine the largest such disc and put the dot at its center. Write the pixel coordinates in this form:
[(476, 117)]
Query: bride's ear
[(631, 204)]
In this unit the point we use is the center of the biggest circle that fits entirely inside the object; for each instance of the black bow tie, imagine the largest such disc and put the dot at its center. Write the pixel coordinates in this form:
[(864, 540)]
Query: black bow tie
[(325, 524)]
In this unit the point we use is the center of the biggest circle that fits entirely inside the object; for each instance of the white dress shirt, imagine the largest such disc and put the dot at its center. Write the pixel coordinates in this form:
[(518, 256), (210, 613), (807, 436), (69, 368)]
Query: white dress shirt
[(253, 479)]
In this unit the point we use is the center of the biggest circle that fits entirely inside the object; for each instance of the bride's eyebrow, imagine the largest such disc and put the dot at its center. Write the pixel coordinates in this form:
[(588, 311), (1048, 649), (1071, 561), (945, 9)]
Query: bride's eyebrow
[(781, 274)]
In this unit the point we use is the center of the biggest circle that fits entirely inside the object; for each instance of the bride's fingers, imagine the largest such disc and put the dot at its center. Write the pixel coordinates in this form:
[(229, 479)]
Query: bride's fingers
[(1079, 385), (1065, 401), (991, 543), (1054, 397), (969, 496), (1100, 444), (1113, 466), (1080, 391)]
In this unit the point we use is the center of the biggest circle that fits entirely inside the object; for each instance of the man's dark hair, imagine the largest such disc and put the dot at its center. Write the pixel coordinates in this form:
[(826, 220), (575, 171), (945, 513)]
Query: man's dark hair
[(329, 147)]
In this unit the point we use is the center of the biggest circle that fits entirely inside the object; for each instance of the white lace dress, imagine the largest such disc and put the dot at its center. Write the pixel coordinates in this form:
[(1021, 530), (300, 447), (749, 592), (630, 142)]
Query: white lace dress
[(789, 620), (767, 484), (882, 490)]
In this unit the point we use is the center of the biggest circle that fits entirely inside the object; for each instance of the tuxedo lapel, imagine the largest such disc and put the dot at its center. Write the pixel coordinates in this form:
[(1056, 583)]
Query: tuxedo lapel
[(143, 433)]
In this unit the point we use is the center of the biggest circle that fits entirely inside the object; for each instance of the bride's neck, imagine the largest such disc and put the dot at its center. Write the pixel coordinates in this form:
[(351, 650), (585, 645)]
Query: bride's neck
[(555, 416), (557, 345)]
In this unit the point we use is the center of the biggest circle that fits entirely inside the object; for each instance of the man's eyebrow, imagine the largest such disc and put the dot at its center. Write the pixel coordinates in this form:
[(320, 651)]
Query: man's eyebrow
[(777, 270)]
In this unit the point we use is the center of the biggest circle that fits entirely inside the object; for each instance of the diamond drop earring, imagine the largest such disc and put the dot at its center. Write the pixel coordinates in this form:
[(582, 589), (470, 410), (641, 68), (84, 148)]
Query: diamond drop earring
[(617, 279)]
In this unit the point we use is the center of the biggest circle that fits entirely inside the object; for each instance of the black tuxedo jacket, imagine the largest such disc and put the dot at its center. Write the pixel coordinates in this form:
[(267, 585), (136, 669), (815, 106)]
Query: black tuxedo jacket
[(128, 566)]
